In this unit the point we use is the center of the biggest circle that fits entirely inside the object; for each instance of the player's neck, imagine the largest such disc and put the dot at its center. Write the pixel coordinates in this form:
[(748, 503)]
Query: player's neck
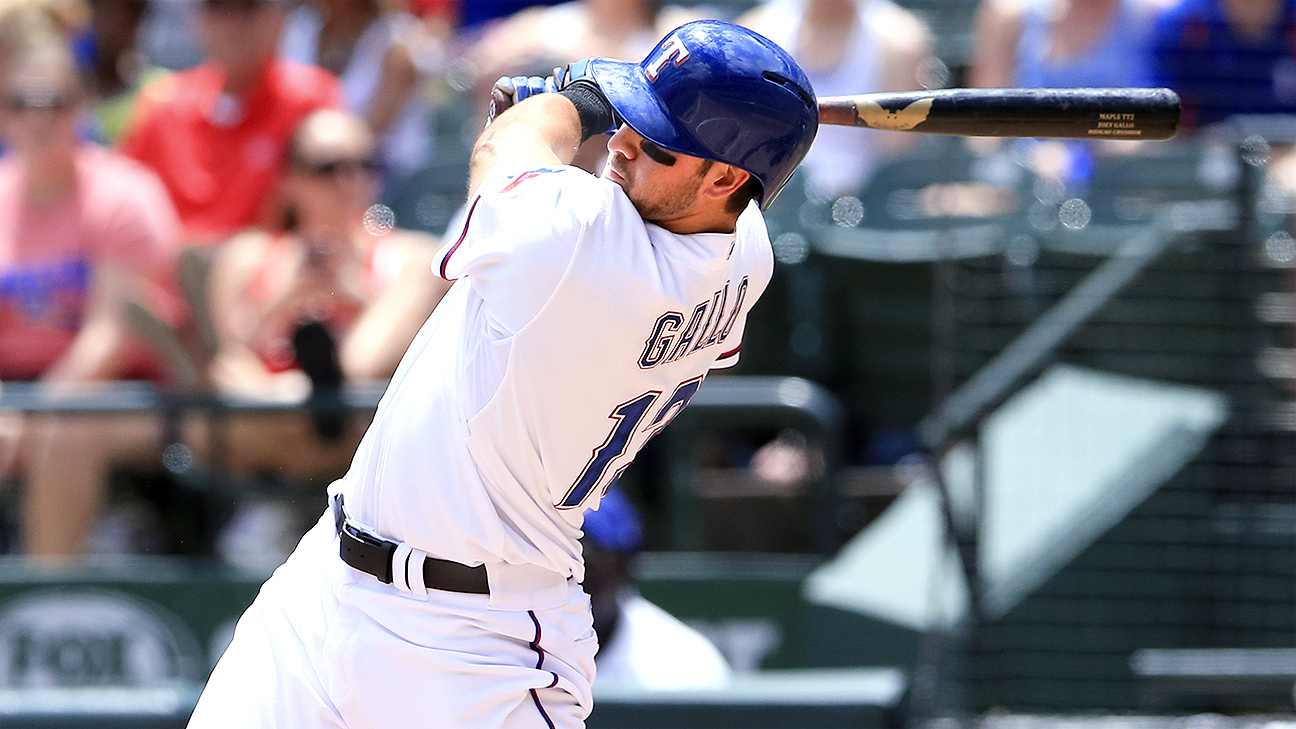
[(701, 221)]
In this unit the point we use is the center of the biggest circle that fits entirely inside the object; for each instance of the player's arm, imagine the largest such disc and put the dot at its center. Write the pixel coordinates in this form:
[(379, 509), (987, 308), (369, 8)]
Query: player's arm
[(531, 127), (539, 131)]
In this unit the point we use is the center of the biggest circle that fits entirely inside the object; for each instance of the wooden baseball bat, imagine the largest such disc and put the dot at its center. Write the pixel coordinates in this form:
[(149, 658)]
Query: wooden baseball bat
[(1075, 113)]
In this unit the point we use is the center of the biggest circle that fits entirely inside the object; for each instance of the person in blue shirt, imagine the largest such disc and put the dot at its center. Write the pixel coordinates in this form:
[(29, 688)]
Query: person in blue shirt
[(1227, 57)]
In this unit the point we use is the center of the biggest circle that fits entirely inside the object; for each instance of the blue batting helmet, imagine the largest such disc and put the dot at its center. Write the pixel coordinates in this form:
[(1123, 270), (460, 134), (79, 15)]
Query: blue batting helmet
[(718, 91)]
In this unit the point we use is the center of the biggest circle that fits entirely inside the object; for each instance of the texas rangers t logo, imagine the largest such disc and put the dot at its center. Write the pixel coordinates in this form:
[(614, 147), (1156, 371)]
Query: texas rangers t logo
[(671, 49)]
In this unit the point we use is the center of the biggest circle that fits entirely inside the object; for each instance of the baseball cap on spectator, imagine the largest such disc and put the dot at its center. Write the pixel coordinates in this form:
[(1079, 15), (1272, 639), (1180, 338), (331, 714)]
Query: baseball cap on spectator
[(614, 525)]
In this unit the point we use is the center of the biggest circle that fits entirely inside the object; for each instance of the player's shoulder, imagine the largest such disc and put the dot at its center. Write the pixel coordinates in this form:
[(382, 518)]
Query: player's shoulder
[(752, 257), (515, 180), (754, 235), (526, 208), (509, 177), (563, 190)]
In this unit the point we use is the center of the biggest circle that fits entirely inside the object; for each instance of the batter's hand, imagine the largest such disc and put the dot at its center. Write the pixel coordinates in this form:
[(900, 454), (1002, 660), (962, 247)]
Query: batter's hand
[(565, 76), (509, 90), (578, 72)]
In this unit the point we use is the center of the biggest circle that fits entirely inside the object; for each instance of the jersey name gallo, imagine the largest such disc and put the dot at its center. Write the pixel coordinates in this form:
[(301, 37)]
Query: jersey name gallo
[(673, 336)]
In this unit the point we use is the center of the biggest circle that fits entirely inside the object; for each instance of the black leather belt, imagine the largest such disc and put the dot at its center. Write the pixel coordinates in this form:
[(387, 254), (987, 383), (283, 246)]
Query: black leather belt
[(373, 555)]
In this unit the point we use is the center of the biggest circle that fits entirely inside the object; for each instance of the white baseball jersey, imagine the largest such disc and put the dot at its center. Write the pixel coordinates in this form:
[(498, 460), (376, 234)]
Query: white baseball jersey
[(574, 333)]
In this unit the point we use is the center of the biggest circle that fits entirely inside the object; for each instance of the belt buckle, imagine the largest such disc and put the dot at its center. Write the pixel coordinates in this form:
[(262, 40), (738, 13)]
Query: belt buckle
[(376, 558)]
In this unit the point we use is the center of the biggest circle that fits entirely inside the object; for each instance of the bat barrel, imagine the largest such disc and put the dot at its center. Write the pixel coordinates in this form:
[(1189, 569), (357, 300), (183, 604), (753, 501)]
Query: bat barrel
[(1072, 113)]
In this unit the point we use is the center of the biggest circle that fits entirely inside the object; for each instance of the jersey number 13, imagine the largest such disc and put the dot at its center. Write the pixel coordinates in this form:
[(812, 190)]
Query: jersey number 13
[(617, 449)]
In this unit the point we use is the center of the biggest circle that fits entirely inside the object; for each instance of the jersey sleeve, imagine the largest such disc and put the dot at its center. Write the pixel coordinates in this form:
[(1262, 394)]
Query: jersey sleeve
[(517, 240)]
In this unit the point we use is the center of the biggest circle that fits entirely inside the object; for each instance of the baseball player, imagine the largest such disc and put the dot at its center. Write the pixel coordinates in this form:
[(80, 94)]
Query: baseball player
[(443, 587)]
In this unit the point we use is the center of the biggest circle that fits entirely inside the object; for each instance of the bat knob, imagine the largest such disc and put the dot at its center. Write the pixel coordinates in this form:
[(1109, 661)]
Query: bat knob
[(498, 103)]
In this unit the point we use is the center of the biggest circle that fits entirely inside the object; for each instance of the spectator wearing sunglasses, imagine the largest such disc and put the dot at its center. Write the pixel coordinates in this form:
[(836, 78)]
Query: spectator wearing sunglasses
[(83, 231), (217, 133), (324, 301)]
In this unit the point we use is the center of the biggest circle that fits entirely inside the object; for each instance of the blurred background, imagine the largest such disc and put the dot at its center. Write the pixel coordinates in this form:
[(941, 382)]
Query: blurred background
[(1012, 443)]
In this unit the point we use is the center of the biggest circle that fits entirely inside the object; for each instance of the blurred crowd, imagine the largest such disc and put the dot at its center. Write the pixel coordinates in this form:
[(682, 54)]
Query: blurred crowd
[(190, 189)]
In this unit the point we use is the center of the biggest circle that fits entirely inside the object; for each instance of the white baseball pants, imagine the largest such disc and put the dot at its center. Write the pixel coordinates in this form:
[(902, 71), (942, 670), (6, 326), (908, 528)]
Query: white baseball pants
[(324, 645)]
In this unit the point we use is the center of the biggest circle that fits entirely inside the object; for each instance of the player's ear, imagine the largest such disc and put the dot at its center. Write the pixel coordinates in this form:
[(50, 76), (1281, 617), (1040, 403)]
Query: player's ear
[(723, 180)]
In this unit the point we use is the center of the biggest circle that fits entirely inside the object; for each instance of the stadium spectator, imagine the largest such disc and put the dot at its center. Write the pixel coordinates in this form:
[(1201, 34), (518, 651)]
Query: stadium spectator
[(640, 645), (83, 231), (361, 294), (371, 285), (371, 47), (1061, 43), (217, 133), (1227, 57), (329, 300), (24, 20), (845, 46), (118, 68)]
